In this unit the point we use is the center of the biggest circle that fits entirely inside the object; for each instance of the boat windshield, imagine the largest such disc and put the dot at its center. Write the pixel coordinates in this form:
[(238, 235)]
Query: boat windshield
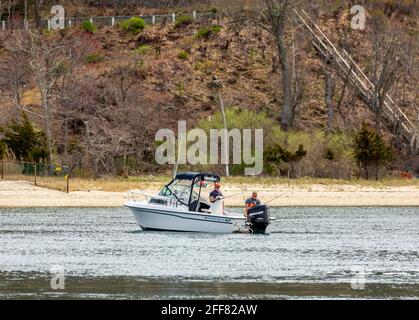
[(179, 189), (202, 188)]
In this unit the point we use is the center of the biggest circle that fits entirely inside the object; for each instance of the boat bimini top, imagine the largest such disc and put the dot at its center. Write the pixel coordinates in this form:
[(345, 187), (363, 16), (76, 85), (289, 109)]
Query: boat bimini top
[(199, 175)]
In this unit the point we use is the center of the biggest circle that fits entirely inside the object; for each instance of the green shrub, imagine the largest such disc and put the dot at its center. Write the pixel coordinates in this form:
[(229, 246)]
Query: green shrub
[(93, 58), (207, 66), (88, 26), (133, 25), (143, 49), (180, 88), (182, 21), (277, 153), (371, 150), (61, 68), (203, 32), (283, 160), (216, 28), (25, 141), (330, 155), (213, 10), (183, 55), (206, 32)]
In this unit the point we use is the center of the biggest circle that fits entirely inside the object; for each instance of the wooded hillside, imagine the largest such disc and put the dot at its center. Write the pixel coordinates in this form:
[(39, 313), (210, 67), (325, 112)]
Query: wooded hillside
[(99, 94)]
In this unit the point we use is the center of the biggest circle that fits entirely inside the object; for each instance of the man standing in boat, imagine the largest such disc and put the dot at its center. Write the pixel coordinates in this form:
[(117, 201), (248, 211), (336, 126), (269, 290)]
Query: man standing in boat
[(251, 202), (216, 193)]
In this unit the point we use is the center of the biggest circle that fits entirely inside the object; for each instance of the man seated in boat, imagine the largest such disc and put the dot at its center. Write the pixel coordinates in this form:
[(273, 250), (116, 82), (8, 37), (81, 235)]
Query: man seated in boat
[(251, 202), (216, 194)]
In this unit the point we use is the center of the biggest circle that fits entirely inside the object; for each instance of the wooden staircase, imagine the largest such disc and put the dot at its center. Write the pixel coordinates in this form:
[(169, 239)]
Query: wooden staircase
[(393, 116)]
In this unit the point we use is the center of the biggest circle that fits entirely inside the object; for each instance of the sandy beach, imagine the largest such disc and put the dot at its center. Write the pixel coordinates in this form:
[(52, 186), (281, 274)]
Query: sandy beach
[(24, 194)]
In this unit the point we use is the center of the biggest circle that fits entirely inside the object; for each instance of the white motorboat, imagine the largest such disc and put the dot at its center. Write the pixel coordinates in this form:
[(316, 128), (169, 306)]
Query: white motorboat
[(181, 206)]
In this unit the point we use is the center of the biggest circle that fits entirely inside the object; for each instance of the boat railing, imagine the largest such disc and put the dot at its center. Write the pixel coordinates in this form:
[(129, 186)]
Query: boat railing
[(132, 195)]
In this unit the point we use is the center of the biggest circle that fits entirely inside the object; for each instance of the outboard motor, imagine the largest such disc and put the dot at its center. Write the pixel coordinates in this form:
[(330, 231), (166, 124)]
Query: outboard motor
[(258, 217)]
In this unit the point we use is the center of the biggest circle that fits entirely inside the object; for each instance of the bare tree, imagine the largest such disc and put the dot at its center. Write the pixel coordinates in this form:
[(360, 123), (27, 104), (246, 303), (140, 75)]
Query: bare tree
[(43, 59), (67, 94), (329, 92), (275, 19), (32, 58), (389, 55), (14, 72), (37, 4), (274, 16), (7, 6)]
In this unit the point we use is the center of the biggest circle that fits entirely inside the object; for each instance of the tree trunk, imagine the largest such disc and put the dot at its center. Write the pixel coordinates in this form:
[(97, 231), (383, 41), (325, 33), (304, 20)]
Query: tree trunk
[(26, 10), (342, 94), (47, 126), (328, 96), (9, 14), (37, 11), (378, 111), (92, 154), (288, 107), (66, 141), (125, 166)]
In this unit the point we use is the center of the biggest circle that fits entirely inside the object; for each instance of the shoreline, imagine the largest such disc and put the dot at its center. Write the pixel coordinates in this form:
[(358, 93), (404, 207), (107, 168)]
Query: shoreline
[(23, 194)]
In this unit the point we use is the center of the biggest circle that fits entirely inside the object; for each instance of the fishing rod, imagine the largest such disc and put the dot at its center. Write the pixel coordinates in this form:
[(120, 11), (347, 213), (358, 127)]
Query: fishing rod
[(276, 210), (275, 198), (233, 195), (242, 190), (222, 198)]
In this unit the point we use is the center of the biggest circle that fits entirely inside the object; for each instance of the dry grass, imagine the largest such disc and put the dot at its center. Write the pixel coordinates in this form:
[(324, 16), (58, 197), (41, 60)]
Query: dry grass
[(307, 181), (156, 182), (103, 184)]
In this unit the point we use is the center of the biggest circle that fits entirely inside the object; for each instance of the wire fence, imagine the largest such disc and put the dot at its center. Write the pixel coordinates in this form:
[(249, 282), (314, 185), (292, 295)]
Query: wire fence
[(55, 176), (109, 21)]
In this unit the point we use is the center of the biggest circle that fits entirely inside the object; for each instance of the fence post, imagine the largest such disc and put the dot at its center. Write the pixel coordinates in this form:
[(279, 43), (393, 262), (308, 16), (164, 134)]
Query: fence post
[(69, 23), (49, 24), (194, 14), (174, 17), (113, 21), (35, 175), (153, 20), (3, 25), (91, 20), (68, 182)]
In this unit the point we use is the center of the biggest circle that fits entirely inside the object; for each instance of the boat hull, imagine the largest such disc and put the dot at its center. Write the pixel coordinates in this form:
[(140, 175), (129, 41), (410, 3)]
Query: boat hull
[(150, 217)]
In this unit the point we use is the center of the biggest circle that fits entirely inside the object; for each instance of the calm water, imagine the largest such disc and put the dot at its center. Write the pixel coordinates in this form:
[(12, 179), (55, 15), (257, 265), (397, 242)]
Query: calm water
[(310, 253)]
